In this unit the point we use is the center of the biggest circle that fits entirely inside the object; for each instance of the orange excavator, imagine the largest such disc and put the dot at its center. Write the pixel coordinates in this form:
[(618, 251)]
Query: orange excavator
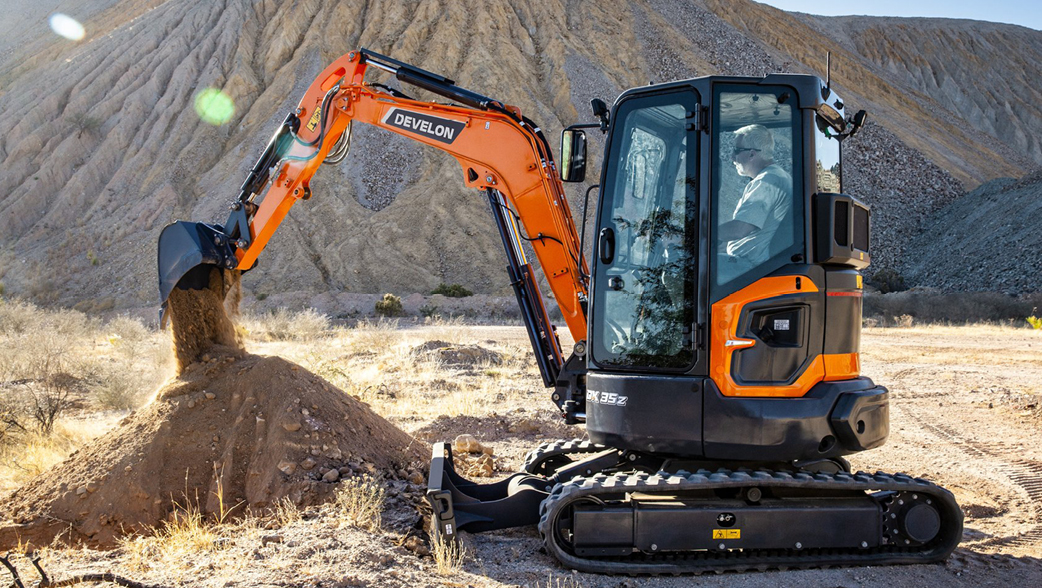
[(717, 327)]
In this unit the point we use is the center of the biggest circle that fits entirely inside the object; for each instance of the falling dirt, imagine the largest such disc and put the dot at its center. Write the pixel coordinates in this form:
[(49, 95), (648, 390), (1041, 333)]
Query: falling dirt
[(202, 318), (233, 432)]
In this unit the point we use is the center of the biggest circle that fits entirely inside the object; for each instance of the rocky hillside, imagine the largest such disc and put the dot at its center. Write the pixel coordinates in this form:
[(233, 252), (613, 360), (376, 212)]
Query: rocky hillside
[(100, 146), (993, 232)]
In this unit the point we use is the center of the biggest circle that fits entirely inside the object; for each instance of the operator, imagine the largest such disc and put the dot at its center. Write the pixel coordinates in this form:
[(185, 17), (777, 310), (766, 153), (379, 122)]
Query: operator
[(764, 204)]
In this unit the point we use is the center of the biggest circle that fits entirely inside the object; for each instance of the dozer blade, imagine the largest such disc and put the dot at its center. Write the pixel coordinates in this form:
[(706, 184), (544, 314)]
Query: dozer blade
[(187, 252)]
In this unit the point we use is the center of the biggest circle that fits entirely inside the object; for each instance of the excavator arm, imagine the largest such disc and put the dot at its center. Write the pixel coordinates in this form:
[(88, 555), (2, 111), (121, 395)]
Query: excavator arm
[(500, 152)]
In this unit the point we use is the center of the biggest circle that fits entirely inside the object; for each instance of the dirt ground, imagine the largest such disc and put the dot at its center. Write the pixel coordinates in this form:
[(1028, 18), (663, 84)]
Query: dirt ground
[(966, 408)]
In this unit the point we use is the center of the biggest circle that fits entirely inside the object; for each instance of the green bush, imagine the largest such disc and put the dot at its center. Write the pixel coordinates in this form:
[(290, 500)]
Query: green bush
[(391, 305), (888, 281), (429, 311), (452, 291)]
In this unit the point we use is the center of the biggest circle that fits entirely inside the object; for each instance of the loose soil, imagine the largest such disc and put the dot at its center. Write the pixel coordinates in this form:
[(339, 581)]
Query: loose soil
[(233, 432)]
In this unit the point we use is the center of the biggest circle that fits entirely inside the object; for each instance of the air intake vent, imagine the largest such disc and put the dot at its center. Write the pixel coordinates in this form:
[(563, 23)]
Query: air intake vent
[(841, 231), (842, 225), (861, 228)]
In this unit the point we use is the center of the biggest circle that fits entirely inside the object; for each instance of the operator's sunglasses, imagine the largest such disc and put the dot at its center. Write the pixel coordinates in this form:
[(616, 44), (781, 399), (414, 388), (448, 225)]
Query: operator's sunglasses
[(738, 150)]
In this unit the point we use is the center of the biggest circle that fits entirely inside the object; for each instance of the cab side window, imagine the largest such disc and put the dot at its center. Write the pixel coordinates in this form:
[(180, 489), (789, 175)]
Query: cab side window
[(754, 198)]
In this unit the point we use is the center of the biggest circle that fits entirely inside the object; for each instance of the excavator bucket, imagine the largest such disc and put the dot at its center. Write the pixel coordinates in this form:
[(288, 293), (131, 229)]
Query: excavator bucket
[(187, 252)]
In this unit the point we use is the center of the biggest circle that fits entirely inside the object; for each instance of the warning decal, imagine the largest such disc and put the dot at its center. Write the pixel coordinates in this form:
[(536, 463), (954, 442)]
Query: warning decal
[(727, 533), (315, 118)]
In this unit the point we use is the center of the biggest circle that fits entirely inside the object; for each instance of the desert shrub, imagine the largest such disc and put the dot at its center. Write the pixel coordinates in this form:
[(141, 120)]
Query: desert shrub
[(84, 123), (1034, 321), (360, 501), (390, 305), (887, 281), (452, 291), (119, 391), (952, 307), (127, 329), (429, 310), (282, 324)]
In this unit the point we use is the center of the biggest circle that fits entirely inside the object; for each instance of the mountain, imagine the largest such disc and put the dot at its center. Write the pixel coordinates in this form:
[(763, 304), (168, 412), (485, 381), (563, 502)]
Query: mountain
[(100, 145)]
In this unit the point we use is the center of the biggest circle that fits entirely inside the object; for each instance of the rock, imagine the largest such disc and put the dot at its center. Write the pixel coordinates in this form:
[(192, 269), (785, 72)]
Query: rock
[(466, 444), (416, 546), (344, 471), (92, 486), (191, 403), (308, 463), (210, 396), (266, 539), (334, 453), (331, 476), (291, 427), (287, 467), (82, 490)]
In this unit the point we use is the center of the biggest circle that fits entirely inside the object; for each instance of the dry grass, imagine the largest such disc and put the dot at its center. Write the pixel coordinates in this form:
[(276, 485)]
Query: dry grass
[(284, 512), (27, 455), (283, 324), (360, 501), (448, 556)]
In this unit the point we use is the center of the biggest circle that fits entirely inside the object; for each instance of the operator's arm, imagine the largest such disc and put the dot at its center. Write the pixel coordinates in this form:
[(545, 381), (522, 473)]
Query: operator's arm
[(735, 229)]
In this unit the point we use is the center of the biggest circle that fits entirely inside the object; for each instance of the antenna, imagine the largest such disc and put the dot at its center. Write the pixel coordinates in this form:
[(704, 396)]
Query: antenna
[(828, 71)]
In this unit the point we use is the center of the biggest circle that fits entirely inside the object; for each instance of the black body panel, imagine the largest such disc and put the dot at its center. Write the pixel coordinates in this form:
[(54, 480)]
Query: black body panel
[(657, 414), (672, 415), (786, 429), (842, 311)]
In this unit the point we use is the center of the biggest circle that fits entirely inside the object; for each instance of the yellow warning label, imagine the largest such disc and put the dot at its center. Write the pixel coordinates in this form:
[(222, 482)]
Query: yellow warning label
[(862, 256), (860, 282), (314, 118), (727, 533)]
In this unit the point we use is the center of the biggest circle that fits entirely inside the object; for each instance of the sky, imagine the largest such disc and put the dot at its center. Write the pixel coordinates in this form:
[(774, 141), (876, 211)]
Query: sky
[(1027, 13)]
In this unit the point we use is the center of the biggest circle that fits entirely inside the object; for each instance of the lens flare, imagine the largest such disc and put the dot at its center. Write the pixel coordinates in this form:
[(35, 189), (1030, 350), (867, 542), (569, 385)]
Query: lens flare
[(66, 26), (214, 106)]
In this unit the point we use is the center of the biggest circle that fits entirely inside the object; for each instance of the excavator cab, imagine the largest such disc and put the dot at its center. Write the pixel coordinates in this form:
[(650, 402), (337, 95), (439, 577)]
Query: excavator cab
[(726, 301)]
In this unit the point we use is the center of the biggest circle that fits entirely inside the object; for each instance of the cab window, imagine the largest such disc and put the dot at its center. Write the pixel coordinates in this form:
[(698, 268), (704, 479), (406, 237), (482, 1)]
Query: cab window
[(756, 151)]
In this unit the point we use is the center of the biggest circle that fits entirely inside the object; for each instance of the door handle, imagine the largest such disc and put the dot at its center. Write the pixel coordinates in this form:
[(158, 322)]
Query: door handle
[(606, 245)]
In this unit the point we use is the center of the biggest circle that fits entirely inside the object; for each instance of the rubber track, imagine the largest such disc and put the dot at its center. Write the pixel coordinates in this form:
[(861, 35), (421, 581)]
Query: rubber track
[(743, 560), (555, 448)]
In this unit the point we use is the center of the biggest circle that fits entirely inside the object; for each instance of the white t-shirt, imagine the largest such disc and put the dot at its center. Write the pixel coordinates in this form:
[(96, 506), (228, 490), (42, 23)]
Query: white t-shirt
[(765, 203)]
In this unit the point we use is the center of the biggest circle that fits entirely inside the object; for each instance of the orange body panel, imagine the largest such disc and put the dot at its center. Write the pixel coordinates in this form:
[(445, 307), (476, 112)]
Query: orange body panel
[(842, 366), (725, 327), (504, 155)]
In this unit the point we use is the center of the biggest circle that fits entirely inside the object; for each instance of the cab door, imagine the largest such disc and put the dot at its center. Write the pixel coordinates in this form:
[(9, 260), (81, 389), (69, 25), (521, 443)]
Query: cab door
[(645, 294)]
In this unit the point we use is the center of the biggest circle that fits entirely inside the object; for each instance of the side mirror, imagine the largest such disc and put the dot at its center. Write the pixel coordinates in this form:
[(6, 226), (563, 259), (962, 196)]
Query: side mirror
[(858, 121), (573, 156)]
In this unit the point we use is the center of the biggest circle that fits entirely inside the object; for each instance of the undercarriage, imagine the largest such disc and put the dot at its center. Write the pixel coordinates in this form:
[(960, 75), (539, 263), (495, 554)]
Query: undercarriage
[(608, 511)]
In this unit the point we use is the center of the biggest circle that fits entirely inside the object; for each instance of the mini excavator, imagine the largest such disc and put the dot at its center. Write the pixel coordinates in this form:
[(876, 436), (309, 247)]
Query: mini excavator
[(719, 392)]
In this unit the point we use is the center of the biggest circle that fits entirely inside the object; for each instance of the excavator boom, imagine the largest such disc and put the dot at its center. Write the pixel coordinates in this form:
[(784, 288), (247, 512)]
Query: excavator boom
[(501, 153)]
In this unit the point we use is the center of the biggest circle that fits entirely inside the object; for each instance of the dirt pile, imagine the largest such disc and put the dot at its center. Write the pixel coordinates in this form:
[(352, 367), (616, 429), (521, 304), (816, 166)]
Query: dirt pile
[(459, 355), (232, 432), (254, 429)]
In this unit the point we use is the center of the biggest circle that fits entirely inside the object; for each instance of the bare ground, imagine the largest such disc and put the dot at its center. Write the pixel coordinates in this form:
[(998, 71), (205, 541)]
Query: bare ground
[(965, 413)]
